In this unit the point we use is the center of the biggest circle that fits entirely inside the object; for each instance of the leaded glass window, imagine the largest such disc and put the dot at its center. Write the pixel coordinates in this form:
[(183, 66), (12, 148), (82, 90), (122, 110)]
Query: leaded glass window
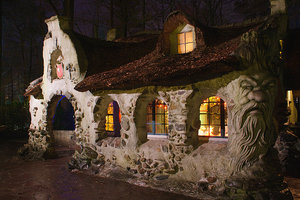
[(213, 118), (157, 118), (186, 42), (113, 119)]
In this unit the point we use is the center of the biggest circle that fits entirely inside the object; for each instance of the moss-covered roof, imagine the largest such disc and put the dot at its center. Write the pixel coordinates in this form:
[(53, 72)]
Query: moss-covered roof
[(213, 57), (105, 55)]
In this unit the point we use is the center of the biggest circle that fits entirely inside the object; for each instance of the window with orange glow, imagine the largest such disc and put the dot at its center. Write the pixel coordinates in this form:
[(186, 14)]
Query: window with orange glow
[(113, 119), (213, 118), (186, 42), (157, 118)]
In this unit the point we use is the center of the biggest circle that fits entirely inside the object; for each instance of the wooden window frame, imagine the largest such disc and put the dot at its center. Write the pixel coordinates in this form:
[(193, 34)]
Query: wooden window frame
[(222, 114), (185, 43), (153, 114), (116, 120)]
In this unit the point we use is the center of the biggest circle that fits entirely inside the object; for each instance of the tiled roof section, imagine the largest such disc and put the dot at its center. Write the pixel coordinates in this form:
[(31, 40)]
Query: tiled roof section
[(157, 69), (34, 87), (105, 55)]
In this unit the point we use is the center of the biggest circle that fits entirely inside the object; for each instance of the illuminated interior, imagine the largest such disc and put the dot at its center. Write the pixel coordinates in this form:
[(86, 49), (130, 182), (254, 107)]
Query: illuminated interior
[(157, 118), (213, 118), (113, 119), (186, 42)]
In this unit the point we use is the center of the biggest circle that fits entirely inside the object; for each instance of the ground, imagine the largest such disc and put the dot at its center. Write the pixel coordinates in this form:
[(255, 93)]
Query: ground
[(51, 179)]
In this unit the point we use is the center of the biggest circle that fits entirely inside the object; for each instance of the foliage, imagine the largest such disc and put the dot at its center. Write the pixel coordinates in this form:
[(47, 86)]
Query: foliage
[(15, 115)]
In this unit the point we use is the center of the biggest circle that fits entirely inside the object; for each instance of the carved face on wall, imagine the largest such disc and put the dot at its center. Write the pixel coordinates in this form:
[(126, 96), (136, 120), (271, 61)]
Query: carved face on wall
[(252, 133)]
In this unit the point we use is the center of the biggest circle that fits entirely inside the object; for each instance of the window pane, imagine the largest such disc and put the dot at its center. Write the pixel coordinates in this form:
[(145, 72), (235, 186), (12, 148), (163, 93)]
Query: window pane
[(110, 109), (149, 128), (215, 119), (204, 130), (160, 129), (211, 120), (204, 108), (189, 47), (180, 38), (215, 108), (215, 131), (189, 37), (181, 48), (160, 123), (204, 119)]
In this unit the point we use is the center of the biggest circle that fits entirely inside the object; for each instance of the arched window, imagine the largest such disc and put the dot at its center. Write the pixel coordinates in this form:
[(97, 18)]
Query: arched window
[(186, 40), (213, 118), (113, 119), (157, 119)]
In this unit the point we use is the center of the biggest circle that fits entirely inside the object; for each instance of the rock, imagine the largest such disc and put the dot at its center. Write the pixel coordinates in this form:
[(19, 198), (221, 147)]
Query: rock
[(164, 148), (127, 157), (125, 123), (162, 177), (90, 153), (134, 171), (203, 185), (149, 161), (145, 166), (177, 158), (211, 187), (211, 179), (180, 127)]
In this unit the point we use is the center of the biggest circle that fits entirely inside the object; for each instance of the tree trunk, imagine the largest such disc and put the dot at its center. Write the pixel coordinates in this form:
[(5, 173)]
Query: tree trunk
[(162, 13), (124, 19), (112, 14), (30, 61), (69, 11), (1, 54), (144, 14)]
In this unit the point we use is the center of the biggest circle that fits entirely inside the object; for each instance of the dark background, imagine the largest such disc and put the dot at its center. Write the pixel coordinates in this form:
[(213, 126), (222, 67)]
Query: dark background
[(23, 29)]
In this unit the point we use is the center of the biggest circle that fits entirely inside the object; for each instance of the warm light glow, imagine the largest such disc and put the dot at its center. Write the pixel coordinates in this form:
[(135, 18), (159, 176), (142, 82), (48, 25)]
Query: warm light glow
[(186, 42), (157, 118), (213, 116), (109, 118), (281, 48)]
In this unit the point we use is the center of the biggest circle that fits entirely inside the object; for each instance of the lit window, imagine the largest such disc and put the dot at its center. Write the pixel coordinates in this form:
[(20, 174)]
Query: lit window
[(213, 118), (186, 42), (157, 118), (113, 119)]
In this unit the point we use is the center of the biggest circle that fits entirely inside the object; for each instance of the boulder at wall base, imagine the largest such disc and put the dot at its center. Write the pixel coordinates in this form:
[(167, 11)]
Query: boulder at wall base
[(89, 153), (257, 189), (27, 152)]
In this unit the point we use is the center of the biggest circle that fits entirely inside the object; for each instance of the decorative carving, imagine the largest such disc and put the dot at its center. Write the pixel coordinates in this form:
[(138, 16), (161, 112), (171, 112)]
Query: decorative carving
[(252, 131)]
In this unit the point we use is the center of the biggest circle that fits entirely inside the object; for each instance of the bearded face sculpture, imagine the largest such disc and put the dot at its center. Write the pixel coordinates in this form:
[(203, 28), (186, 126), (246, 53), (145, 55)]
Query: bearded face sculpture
[(252, 130)]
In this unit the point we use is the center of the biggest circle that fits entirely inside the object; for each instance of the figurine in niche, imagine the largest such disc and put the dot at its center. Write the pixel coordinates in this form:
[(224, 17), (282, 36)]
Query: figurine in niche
[(59, 67)]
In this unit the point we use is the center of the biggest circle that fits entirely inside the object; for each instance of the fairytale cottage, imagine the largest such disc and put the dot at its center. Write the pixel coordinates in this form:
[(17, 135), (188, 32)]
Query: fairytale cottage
[(195, 105)]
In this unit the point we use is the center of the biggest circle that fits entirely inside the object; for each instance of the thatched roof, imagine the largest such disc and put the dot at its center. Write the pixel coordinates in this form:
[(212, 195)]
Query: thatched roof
[(213, 57)]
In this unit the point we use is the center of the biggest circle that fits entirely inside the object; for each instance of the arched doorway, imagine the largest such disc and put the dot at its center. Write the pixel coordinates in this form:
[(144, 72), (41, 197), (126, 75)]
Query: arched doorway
[(61, 121)]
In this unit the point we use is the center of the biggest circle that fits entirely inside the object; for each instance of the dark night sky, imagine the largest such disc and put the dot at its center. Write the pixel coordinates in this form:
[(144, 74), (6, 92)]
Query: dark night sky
[(23, 28)]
